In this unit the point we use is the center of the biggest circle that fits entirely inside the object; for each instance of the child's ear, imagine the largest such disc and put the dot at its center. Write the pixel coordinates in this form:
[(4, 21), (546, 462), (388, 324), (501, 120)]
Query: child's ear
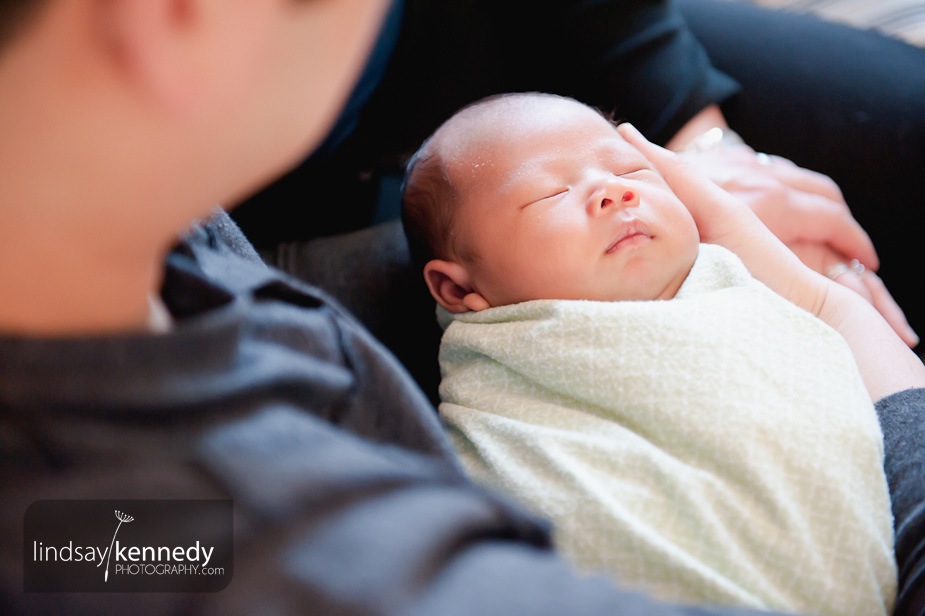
[(168, 49), (450, 285), (147, 41)]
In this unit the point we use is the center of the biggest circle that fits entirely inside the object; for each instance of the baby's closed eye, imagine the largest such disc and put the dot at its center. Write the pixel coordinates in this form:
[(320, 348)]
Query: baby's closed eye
[(549, 194)]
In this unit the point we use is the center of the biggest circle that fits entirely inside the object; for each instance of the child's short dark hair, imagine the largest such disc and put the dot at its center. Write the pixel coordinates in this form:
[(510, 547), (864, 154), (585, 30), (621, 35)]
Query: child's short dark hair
[(15, 15)]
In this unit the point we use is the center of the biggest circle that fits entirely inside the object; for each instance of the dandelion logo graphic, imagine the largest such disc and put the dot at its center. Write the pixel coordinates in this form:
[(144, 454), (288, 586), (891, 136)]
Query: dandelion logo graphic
[(122, 517)]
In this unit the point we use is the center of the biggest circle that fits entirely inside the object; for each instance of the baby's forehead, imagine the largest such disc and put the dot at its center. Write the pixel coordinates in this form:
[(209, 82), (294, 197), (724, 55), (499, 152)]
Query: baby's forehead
[(523, 114), (511, 133), (492, 144), (509, 120)]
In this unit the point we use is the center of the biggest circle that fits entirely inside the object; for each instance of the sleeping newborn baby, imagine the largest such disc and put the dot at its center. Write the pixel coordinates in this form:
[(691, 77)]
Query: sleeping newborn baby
[(687, 429)]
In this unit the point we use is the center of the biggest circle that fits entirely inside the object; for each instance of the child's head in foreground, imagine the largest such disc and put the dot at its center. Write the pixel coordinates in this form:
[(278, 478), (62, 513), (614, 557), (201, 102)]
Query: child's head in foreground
[(535, 196)]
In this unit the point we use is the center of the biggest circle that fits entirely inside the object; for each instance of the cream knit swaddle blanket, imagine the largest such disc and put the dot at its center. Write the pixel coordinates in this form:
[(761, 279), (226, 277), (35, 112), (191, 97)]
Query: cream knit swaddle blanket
[(719, 447)]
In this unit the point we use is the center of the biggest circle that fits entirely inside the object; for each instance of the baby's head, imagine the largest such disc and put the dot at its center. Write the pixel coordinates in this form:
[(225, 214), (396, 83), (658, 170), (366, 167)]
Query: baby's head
[(536, 196)]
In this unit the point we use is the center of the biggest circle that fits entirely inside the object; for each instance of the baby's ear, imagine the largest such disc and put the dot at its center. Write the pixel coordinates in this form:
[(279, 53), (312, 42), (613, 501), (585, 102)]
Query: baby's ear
[(449, 283)]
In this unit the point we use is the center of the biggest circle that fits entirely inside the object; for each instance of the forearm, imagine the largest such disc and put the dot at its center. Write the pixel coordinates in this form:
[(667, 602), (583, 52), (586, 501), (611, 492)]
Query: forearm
[(886, 363)]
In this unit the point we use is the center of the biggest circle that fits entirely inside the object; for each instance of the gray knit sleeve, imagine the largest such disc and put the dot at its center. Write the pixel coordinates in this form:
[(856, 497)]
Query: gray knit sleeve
[(902, 419)]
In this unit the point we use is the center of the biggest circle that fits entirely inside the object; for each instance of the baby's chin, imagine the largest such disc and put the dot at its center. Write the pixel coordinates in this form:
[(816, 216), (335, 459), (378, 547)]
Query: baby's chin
[(649, 281)]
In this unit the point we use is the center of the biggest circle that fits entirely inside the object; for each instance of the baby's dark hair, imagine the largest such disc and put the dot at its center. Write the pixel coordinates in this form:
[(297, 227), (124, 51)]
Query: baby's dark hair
[(15, 16), (429, 200)]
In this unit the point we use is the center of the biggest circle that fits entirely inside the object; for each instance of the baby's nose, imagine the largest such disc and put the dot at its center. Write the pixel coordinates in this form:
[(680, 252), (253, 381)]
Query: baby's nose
[(628, 198)]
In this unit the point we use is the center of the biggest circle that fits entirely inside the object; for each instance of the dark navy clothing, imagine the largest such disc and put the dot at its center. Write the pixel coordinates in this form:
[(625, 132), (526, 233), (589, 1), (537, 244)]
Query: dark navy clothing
[(634, 58)]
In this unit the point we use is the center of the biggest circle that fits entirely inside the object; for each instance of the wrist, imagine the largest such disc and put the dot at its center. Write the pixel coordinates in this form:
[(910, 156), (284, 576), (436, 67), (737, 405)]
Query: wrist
[(707, 118), (712, 139)]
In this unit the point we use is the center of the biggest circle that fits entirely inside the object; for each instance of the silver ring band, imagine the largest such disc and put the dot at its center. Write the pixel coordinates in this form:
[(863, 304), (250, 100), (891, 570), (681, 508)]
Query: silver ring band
[(843, 268)]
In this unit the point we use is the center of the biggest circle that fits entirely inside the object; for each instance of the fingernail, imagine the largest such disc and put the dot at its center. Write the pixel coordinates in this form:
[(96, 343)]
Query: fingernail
[(638, 140), (626, 127)]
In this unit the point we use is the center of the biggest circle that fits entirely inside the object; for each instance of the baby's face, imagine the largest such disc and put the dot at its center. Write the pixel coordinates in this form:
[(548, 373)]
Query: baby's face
[(561, 207)]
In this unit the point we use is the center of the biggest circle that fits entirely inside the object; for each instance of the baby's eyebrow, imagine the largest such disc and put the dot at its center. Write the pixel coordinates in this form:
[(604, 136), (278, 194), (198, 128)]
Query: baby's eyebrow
[(538, 162), (535, 165)]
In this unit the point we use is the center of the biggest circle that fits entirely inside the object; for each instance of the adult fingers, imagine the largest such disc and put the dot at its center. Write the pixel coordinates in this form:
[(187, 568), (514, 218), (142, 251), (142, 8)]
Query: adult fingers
[(871, 288), (796, 204), (805, 180), (810, 217), (866, 283), (794, 215), (885, 304)]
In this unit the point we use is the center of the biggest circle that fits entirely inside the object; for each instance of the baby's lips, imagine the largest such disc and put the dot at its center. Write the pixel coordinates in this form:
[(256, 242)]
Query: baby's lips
[(630, 232)]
